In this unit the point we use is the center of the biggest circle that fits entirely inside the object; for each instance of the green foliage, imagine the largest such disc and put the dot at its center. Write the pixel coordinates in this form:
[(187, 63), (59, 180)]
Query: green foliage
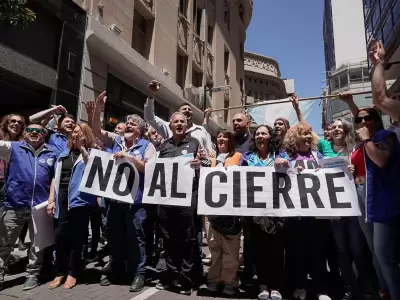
[(15, 12)]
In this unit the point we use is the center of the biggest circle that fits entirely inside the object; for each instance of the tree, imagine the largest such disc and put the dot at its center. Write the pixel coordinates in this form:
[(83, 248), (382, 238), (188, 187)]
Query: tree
[(15, 12)]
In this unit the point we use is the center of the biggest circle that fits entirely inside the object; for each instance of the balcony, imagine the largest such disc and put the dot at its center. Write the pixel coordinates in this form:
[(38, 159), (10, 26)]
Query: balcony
[(210, 65), (183, 33), (146, 8), (198, 51)]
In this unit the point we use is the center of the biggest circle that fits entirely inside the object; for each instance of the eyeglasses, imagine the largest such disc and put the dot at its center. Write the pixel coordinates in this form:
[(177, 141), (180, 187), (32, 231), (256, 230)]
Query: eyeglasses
[(366, 118), (13, 121), (37, 130)]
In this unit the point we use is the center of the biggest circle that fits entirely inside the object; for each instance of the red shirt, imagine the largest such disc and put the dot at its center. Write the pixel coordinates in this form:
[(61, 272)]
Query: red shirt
[(358, 160)]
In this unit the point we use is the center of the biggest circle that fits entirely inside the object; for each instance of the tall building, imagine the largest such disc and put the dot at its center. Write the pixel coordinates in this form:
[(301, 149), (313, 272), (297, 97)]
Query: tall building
[(346, 64), (189, 46), (382, 21)]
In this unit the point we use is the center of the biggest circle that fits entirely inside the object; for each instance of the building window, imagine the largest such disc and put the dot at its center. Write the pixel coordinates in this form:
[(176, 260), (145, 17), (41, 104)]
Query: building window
[(181, 69), (197, 21), (241, 12), (227, 15), (356, 75), (249, 79), (139, 33), (226, 61), (343, 80), (266, 83), (197, 79), (210, 35), (183, 7), (250, 93)]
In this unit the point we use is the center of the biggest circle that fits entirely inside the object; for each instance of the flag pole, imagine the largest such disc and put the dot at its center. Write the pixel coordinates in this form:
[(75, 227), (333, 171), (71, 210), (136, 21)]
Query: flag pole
[(286, 101)]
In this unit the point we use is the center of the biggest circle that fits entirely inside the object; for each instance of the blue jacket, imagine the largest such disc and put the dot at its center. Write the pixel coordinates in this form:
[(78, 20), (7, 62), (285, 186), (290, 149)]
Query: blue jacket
[(28, 176), (58, 141), (75, 197), (138, 151), (383, 198)]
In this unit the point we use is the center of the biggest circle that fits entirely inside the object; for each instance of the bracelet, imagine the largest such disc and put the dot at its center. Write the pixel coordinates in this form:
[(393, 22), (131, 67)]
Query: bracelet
[(367, 141)]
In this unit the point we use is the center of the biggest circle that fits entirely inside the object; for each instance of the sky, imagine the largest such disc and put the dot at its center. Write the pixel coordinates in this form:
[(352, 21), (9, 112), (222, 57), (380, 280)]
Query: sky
[(290, 31)]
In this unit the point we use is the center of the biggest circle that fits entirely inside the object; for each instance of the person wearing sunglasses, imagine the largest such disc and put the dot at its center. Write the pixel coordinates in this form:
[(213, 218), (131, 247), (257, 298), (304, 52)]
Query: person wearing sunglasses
[(30, 170), (375, 167)]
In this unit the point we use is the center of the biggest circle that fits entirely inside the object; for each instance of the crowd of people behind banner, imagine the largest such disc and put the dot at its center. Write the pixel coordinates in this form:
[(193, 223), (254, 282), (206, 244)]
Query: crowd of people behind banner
[(39, 164)]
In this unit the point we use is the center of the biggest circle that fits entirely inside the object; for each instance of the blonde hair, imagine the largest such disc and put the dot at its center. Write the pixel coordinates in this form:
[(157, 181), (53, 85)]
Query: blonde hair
[(290, 141)]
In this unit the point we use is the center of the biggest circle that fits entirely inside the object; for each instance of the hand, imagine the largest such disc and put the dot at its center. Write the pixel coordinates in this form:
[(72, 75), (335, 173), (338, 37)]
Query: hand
[(300, 169), (121, 154), (295, 101), (90, 106), (201, 154), (351, 168), (80, 141), (346, 96), (363, 133), (154, 86), (101, 99), (51, 208), (60, 110), (195, 164), (280, 163), (207, 113), (377, 52)]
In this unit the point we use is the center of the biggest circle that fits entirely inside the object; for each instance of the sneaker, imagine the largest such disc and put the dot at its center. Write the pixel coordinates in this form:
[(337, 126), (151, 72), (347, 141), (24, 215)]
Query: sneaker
[(324, 297), (275, 295), (229, 290), (105, 281), (300, 294), (213, 286), (166, 285), (186, 291), (264, 294), (30, 283)]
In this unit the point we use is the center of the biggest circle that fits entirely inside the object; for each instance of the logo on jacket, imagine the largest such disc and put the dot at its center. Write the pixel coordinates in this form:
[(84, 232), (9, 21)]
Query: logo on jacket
[(184, 152), (50, 162)]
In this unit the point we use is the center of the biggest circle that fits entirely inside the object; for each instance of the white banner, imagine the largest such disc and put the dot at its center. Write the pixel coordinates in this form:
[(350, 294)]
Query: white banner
[(105, 176), (261, 191), (169, 181), (43, 227)]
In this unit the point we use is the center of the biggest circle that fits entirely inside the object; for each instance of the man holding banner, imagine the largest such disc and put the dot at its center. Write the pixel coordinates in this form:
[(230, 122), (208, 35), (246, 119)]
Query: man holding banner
[(125, 220)]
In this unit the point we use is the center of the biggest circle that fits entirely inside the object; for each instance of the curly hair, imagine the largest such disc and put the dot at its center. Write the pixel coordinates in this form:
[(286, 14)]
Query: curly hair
[(272, 146), (290, 141), (5, 121)]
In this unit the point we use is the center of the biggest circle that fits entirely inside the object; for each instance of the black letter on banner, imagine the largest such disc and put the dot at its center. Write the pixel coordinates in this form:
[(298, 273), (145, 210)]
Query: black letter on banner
[(236, 189), (284, 190), (313, 190), (251, 189), (174, 183), (332, 190), (97, 168), (159, 171), (208, 189), (129, 182)]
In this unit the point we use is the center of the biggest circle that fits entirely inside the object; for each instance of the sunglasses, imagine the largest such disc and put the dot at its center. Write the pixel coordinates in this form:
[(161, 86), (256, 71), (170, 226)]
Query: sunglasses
[(37, 130), (13, 121), (366, 118)]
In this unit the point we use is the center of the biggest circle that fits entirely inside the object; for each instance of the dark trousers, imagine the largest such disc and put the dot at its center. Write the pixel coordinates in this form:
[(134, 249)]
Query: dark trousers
[(269, 257), (151, 231), (179, 236), (248, 250), (70, 240), (95, 225), (352, 246), (126, 239), (306, 252)]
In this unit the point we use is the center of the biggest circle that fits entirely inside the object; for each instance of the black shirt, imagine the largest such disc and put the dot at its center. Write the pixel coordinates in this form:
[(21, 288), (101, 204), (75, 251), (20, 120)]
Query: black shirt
[(243, 143), (66, 170), (172, 149)]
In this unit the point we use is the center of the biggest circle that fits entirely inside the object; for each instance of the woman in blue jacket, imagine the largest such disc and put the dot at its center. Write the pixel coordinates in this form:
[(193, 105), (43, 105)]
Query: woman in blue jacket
[(70, 207)]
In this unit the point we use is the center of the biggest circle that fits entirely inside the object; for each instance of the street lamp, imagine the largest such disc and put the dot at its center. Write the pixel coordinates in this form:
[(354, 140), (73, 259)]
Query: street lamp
[(215, 89)]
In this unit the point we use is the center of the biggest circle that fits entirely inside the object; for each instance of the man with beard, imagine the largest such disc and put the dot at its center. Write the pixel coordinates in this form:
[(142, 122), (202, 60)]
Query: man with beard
[(177, 224), (120, 129), (125, 222), (66, 124), (163, 128), (30, 172), (155, 138)]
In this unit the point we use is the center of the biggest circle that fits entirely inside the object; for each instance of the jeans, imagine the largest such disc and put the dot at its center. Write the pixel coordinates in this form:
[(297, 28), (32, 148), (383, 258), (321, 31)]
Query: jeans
[(11, 223), (127, 239), (352, 246), (382, 239), (71, 239), (178, 231)]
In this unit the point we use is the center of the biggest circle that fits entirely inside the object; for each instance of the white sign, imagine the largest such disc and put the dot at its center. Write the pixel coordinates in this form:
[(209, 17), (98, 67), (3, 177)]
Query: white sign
[(169, 181), (261, 191), (43, 227), (336, 162), (104, 176)]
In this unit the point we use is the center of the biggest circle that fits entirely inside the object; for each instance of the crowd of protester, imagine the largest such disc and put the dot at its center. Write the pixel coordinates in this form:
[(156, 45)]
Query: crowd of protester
[(44, 160)]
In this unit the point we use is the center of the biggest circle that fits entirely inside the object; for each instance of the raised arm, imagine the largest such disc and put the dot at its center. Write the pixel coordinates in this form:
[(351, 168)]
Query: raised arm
[(379, 90), (348, 99), (104, 136), (295, 103), (48, 113), (161, 126)]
